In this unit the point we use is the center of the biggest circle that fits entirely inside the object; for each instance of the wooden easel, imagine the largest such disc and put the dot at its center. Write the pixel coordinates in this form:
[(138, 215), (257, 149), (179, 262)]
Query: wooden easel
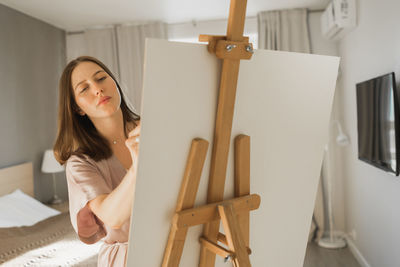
[(235, 212)]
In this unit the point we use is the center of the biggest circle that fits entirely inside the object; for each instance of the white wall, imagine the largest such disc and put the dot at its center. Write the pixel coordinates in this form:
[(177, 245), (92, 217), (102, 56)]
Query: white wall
[(190, 31), (372, 196)]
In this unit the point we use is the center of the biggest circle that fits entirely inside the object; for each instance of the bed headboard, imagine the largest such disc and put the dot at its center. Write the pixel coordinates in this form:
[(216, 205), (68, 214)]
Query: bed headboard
[(18, 176)]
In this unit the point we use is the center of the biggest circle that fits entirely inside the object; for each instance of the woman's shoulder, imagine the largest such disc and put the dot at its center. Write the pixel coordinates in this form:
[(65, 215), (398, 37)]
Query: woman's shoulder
[(82, 161), (79, 160)]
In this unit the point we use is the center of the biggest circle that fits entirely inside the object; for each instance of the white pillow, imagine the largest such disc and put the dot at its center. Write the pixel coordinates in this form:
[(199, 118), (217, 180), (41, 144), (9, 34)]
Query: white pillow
[(18, 209)]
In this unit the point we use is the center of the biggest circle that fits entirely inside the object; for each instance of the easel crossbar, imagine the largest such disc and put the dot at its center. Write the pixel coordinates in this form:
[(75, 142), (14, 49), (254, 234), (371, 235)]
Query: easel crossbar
[(209, 213), (222, 238), (217, 249)]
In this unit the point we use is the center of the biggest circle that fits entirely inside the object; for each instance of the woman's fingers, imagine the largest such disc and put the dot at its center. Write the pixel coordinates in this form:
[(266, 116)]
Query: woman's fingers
[(132, 141), (135, 131)]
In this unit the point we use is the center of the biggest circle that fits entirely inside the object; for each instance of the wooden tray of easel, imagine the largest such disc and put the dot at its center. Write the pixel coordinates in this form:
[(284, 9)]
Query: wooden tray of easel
[(234, 213)]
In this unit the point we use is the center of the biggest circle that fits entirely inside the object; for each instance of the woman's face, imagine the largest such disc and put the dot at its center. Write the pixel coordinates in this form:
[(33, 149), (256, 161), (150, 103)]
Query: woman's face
[(96, 93)]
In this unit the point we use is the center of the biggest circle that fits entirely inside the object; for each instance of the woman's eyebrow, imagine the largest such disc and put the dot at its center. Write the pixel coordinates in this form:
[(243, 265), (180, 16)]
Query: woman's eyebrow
[(92, 76)]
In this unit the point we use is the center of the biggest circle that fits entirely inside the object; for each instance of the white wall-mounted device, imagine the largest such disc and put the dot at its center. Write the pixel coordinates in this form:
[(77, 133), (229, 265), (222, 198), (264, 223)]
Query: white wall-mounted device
[(338, 19)]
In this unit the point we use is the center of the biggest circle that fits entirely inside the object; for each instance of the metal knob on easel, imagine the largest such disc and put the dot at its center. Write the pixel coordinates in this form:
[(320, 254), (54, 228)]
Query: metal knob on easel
[(249, 49), (230, 47)]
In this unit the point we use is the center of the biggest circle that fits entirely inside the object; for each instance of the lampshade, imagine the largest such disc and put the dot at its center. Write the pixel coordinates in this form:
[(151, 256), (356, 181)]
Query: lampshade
[(50, 164), (342, 139)]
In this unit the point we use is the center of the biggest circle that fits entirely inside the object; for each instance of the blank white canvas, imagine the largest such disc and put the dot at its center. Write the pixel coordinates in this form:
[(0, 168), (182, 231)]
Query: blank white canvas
[(283, 103)]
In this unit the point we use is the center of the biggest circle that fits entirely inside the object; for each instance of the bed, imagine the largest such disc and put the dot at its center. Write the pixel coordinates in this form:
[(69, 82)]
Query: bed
[(50, 242)]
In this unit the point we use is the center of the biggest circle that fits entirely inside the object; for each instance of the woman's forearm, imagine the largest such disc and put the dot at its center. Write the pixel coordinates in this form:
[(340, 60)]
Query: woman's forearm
[(115, 208)]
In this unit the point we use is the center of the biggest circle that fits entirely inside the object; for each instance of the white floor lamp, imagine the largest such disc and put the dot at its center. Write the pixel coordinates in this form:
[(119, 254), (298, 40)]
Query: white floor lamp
[(331, 241), (51, 165)]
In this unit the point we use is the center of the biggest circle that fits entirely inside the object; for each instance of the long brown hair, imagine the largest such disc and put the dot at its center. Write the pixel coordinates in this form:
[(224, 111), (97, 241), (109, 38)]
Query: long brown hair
[(76, 134)]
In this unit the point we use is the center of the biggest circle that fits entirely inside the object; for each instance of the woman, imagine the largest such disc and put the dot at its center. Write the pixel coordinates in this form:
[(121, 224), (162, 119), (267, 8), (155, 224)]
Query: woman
[(98, 138)]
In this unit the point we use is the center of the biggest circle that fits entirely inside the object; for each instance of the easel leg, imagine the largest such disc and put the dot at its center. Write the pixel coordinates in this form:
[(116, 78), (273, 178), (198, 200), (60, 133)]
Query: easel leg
[(234, 236), (173, 251), (186, 199), (242, 180)]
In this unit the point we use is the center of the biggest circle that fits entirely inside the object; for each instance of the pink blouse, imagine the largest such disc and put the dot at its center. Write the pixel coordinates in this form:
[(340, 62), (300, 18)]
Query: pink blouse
[(86, 180)]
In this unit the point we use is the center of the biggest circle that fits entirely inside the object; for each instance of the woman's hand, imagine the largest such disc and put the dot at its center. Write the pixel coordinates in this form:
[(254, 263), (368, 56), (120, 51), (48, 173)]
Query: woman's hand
[(133, 144)]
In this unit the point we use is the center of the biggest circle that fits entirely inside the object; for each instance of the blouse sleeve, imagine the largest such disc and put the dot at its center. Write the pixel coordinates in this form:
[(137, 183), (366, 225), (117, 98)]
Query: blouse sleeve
[(85, 182)]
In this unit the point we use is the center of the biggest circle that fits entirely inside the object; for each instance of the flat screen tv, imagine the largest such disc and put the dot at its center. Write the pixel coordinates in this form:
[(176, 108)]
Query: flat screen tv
[(378, 122)]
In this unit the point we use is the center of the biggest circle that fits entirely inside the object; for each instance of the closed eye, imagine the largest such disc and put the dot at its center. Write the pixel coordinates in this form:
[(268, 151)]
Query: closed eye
[(102, 78)]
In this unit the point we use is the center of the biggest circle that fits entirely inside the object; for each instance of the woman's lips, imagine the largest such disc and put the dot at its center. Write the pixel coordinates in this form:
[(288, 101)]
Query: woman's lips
[(104, 100)]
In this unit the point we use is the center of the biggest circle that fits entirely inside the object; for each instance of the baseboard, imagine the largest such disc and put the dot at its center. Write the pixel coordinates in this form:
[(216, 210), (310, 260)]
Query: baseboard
[(357, 254)]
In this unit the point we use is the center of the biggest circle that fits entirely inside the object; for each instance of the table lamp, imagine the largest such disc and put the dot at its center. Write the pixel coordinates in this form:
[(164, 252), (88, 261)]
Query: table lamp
[(51, 165)]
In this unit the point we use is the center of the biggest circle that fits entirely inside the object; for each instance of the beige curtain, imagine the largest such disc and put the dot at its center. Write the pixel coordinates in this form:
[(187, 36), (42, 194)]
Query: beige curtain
[(102, 44), (121, 49), (98, 43), (287, 30), (131, 43), (75, 45)]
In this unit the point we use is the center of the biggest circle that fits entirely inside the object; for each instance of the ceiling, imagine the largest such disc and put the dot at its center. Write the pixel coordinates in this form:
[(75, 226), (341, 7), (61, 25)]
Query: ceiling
[(75, 15)]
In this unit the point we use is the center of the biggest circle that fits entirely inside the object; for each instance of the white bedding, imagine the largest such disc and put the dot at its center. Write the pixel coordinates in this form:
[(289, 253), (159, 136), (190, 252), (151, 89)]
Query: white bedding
[(18, 209), (65, 251)]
